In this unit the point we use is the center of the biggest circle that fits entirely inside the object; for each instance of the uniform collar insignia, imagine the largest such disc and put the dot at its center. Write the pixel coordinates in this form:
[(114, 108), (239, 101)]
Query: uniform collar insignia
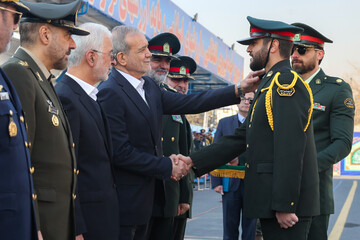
[(39, 77), (23, 63)]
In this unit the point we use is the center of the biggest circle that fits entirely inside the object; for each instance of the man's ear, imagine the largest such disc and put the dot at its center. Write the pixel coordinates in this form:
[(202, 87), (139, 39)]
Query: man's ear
[(122, 58), (45, 34), (320, 54), (274, 46), (91, 58)]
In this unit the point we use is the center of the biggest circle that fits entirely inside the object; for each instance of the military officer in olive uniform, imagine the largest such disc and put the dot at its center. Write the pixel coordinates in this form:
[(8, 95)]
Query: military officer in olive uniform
[(17, 215), (281, 173), (333, 115), (45, 38), (177, 138)]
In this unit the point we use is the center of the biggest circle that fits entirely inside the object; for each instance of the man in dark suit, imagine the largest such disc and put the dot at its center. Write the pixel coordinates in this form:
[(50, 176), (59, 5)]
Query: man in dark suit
[(333, 115), (45, 39), (96, 205), (232, 189), (17, 215), (134, 106), (281, 171)]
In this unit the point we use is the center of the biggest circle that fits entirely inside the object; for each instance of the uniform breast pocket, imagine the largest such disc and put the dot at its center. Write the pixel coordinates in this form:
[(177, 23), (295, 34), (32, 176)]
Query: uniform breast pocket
[(9, 125), (8, 202), (265, 167)]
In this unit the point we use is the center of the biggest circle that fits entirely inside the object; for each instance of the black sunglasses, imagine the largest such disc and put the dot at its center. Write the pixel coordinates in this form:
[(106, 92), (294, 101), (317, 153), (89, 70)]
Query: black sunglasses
[(17, 15), (301, 49)]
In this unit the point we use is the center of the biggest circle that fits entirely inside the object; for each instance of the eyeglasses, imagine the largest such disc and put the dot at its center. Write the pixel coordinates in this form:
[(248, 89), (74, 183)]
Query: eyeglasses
[(302, 49), (110, 54), (250, 100), (17, 15)]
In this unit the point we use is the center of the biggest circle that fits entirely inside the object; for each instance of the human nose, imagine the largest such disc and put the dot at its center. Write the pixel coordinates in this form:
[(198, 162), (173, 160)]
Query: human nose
[(72, 44), (248, 49), (148, 53)]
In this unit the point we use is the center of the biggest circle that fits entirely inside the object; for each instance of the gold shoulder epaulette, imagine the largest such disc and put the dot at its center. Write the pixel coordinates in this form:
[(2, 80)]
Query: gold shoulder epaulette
[(284, 90)]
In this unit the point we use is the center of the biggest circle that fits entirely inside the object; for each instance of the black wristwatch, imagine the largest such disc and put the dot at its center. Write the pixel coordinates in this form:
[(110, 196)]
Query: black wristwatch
[(241, 94)]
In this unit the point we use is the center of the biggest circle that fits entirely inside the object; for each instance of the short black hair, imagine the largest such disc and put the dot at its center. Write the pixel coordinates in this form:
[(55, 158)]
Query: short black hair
[(29, 32), (285, 46)]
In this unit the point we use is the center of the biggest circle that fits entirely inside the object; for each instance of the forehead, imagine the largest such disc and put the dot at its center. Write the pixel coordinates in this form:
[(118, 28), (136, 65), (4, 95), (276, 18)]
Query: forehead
[(107, 43), (160, 58), (257, 41), (136, 40)]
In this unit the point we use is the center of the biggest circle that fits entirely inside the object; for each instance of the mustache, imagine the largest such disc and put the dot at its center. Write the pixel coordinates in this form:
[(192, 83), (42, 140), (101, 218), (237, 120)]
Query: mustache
[(160, 70), (297, 61)]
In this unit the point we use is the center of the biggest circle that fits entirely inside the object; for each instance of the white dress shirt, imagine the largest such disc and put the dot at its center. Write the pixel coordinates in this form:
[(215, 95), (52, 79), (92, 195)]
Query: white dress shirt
[(88, 88), (136, 83)]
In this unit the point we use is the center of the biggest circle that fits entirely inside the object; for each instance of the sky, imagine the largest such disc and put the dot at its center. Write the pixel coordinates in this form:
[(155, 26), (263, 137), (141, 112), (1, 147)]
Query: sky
[(335, 19)]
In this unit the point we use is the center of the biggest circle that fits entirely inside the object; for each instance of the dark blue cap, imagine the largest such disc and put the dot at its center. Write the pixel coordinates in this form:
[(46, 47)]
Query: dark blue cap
[(164, 45), (310, 36), (60, 15), (260, 28), (182, 68)]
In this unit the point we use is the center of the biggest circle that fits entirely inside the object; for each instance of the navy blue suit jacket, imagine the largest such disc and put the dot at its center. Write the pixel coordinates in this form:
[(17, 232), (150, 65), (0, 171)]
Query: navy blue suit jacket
[(225, 127), (96, 207), (17, 216), (136, 130)]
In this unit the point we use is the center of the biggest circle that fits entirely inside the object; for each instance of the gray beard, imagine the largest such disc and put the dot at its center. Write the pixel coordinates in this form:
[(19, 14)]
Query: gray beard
[(156, 77)]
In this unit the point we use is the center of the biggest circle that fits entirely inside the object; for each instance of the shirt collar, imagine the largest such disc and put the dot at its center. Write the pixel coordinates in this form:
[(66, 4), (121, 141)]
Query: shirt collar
[(89, 89), (136, 83), (312, 76), (241, 118), (38, 62)]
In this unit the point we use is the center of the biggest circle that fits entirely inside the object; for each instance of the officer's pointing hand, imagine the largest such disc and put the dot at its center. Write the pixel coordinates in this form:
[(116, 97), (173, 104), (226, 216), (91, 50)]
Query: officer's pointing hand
[(251, 82)]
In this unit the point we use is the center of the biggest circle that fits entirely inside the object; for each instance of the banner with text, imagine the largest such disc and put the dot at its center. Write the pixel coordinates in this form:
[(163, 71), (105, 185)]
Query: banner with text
[(156, 16)]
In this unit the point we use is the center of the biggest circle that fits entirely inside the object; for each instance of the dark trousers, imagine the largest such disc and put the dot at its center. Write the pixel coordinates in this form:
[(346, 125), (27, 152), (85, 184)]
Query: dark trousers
[(271, 229), (160, 228), (319, 227), (133, 232), (179, 228), (232, 208)]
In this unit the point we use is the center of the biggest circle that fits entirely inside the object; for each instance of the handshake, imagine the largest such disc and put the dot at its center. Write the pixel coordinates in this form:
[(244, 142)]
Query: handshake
[(180, 166)]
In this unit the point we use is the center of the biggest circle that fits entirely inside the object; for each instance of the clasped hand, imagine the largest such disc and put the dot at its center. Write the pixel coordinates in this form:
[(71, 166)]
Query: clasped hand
[(180, 166)]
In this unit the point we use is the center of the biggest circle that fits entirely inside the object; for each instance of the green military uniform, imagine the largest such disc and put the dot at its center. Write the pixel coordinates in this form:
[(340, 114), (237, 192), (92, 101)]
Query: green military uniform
[(281, 172), (49, 134), (177, 139), (281, 162), (333, 115)]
